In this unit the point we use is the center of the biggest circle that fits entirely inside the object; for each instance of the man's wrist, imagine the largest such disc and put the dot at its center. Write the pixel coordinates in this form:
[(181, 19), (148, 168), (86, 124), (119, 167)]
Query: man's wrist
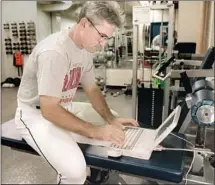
[(92, 131), (110, 118)]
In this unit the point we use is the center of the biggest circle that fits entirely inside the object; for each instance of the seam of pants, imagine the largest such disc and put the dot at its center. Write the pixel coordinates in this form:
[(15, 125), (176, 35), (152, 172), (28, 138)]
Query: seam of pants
[(39, 147)]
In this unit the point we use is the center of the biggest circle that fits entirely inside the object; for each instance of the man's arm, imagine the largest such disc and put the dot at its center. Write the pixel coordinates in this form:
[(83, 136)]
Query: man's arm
[(52, 111), (93, 92), (97, 99), (98, 102), (55, 113)]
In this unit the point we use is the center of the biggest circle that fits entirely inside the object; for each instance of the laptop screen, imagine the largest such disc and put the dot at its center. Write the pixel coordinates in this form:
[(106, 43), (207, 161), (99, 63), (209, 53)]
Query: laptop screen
[(163, 127)]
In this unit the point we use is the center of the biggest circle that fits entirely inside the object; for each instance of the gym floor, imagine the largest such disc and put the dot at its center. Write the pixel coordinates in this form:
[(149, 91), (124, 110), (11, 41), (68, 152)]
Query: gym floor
[(22, 168)]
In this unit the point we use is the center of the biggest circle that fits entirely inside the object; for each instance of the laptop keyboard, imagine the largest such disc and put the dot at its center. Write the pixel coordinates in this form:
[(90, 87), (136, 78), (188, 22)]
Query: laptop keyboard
[(131, 137)]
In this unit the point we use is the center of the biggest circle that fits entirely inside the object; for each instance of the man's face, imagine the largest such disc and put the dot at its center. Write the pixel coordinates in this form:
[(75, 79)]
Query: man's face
[(95, 37)]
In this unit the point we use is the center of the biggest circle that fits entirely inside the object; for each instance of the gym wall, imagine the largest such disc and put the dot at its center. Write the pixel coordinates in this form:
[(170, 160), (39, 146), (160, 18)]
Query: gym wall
[(188, 21), (64, 22), (211, 28), (16, 12)]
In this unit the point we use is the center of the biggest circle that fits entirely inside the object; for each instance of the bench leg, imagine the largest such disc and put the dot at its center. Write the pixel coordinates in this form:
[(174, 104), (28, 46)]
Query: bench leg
[(98, 176)]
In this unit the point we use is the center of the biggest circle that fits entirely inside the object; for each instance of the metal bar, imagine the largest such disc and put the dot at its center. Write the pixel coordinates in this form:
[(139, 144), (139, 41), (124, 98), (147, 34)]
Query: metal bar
[(51, 18), (189, 62), (143, 51), (188, 56), (134, 83), (159, 7), (185, 123), (126, 47), (161, 35), (193, 73), (169, 54), (176, 88), (116, 46), (105, 78)]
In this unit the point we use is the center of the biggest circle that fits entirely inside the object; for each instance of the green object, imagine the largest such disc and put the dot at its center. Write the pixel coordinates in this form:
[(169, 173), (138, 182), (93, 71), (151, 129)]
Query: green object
[(156, 82)]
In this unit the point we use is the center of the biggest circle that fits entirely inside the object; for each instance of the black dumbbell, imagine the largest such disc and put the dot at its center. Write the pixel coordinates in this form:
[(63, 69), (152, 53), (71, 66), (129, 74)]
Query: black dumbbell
[(9, 52), (8, 39)]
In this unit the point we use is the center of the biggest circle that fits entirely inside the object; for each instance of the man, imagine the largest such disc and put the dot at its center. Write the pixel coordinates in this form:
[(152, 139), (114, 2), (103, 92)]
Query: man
[(46, 117), (157, 39)]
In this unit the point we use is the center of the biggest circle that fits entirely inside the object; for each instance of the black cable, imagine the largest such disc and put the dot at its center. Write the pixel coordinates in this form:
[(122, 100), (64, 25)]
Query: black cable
[(60, 179)]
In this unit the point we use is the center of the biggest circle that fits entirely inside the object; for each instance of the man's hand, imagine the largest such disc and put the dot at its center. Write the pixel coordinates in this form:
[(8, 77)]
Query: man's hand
[(123, 121), (111, 133)]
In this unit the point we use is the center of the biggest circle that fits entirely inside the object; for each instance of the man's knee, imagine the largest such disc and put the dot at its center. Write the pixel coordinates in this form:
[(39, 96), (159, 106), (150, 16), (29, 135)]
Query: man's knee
[(77, 173), (78, 177)]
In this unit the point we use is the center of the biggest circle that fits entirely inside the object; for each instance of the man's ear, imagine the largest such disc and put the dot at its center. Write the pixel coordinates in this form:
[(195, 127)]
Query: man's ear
[(83, 22)]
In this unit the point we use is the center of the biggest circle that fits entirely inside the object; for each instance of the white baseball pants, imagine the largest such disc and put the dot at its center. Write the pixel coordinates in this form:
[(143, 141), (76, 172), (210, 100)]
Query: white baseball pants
[(57, 146)]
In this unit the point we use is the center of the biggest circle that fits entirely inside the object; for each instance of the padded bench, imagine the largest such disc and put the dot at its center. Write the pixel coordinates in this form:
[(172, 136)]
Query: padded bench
[(167, 166)]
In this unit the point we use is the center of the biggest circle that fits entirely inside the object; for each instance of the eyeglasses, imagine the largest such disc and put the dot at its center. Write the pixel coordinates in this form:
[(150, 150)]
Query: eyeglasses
[(103, 36)]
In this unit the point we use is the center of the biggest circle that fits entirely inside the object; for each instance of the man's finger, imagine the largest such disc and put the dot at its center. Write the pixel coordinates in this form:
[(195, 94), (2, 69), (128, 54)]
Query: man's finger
[(117, 140), (133, 122)]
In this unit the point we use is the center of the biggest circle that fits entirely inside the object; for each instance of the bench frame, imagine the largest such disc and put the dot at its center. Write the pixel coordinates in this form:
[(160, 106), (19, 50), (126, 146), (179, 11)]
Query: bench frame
[(22, 146)]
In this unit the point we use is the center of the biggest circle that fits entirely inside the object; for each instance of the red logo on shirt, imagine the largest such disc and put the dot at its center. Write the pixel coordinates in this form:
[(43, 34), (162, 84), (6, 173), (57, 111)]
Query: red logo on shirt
[(72, 80)]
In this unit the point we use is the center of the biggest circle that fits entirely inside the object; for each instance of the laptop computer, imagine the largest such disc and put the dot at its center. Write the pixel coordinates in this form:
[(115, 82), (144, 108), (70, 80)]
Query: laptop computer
[(139, 142)]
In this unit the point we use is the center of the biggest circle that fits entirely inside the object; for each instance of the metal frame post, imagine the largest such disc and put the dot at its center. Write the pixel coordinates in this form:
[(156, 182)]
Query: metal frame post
[(126, 47), (161, 40), (116, 46), (134, 82), (169, 54), (143, 51)]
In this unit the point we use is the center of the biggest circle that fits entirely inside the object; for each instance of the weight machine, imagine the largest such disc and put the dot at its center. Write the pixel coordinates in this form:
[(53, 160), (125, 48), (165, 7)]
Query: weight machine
[(197, 107)]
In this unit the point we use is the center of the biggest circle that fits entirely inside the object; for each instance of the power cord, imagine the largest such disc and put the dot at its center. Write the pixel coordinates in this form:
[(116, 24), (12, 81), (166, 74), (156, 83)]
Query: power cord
[(193, 149), (195, 181), (188, 150), (180, 149), (183, 139), (194, 155)]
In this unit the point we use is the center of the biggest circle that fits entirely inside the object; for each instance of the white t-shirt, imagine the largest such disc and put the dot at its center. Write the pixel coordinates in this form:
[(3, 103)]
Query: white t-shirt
[(55, 68), (156, 42)]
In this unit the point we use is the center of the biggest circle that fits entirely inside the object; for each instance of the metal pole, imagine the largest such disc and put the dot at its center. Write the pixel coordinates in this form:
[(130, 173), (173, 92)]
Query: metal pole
[(126, 47), (116, 48), (143, 49), (134, 83), (105, 77), (161, 40), (149, 34), (169, 54)]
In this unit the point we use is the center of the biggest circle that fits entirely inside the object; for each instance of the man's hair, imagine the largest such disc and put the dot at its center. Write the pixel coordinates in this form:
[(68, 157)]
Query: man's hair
[(98, 11)]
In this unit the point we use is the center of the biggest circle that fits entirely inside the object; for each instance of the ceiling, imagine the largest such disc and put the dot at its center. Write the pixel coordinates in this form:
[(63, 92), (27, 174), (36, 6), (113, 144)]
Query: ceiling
[(126, 5), (75, 7)]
